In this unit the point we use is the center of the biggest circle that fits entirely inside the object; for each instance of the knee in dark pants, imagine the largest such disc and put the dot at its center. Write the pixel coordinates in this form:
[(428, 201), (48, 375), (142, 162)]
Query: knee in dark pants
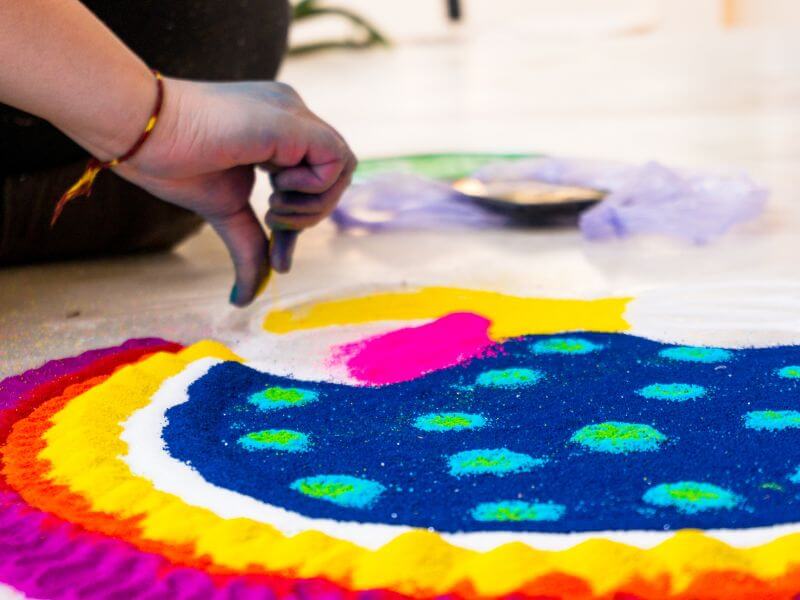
[(117, 218)]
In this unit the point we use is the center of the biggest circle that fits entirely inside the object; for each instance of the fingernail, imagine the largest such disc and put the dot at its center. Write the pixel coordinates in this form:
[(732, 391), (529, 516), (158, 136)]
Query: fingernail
[(234, 294)]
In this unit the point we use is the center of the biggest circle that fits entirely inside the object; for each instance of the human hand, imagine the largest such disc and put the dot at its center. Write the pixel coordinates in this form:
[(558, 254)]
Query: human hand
[(202, 155)]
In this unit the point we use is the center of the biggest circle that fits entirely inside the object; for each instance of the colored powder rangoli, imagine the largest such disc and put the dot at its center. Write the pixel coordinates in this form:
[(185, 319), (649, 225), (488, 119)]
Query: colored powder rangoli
[(478, 469)]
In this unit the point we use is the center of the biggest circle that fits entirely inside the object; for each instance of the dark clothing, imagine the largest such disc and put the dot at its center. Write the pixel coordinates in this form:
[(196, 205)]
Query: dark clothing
[(213, 40)]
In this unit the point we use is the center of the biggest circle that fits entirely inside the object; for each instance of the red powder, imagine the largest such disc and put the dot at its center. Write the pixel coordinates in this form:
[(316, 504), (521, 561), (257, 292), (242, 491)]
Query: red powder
[(409, 353)]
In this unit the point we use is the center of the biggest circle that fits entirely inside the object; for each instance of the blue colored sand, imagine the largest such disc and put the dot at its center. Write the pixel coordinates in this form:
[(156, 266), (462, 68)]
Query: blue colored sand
[(523, 440)]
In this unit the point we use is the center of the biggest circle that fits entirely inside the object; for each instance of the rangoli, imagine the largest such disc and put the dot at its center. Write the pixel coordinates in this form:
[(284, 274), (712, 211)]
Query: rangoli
[(442, 443)]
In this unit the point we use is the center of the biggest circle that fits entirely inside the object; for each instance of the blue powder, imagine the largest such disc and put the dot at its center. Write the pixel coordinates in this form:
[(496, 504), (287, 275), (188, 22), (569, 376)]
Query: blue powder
[(371, 434), (674, 392), (491, 461), (509, 378), (344, 490), (564, 345), (691, 497), (772, 420), (516, 511), (619, 438), (449, 421), (697, 354)]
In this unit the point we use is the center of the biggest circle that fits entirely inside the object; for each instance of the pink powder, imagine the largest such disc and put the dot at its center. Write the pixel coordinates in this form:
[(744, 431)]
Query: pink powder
[(406, 354)]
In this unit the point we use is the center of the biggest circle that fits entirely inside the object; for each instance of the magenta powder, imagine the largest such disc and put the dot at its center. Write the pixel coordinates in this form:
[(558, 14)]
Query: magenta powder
[(406, 354)]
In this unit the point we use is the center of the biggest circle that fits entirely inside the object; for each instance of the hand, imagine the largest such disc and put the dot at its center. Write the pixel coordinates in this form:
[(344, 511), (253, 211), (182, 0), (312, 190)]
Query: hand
[(202, 154)]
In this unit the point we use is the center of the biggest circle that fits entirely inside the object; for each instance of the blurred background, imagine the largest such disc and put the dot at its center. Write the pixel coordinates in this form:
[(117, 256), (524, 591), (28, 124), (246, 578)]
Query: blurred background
[(678, 80), (421, 20)]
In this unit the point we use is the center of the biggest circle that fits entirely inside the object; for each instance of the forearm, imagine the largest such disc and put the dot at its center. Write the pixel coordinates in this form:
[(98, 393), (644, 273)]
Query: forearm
[(59, 62)]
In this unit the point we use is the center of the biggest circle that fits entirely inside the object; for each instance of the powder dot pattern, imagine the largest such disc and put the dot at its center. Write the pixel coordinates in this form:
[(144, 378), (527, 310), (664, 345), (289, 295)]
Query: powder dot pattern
[(619, 438), (615, 436), (691, 497), (491, 461), (564, 345), (449, 421), (772, 420), (697, 354), (284, 440), (790, 372), (673, 392), (277, 397), (516, 510), (344, 490), (509, 378)]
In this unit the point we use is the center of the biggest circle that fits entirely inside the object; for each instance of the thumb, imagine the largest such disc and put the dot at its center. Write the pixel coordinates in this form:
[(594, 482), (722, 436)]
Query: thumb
[(242, 234)]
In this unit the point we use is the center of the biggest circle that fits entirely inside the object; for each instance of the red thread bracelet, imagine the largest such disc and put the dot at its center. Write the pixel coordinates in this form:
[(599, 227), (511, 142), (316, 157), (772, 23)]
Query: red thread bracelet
[(83, 187)]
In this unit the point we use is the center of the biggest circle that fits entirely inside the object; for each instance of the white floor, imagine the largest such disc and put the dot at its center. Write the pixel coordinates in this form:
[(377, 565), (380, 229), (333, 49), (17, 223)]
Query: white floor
[(702, 100)]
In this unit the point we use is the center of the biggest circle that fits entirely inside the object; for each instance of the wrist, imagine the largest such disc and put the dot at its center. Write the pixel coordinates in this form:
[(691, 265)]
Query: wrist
[(121, 114)]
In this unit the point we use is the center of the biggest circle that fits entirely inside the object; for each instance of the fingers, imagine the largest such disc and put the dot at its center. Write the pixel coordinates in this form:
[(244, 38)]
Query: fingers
[(239, 228), (311, 178), (295, 211), (281, 249), (291, 212)]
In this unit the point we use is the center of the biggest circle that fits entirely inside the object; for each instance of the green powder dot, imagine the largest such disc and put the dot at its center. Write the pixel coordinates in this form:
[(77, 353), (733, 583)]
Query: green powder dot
[(790, 372), (509, 378), (617, 437), (277, 397), (285, 440)]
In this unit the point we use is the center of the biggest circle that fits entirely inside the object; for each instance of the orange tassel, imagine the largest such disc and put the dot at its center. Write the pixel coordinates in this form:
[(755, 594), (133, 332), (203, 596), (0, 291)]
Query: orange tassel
[(82, 187)]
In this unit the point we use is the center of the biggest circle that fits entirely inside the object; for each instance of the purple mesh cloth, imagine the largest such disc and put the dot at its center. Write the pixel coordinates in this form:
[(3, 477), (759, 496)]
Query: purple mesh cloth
[(649, 198), (400, 201), (642, 199)]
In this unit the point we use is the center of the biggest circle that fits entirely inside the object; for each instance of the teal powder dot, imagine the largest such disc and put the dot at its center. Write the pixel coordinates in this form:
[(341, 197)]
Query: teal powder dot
[(619, 438), (516, 511), (772, 420), (509, 378), (449, 421), (344, 490), (276, 397), (565, 345), (674, 392), (496, 461), (790, 372), (795, 477), (697, 354), (691, 497), (285, 440)]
